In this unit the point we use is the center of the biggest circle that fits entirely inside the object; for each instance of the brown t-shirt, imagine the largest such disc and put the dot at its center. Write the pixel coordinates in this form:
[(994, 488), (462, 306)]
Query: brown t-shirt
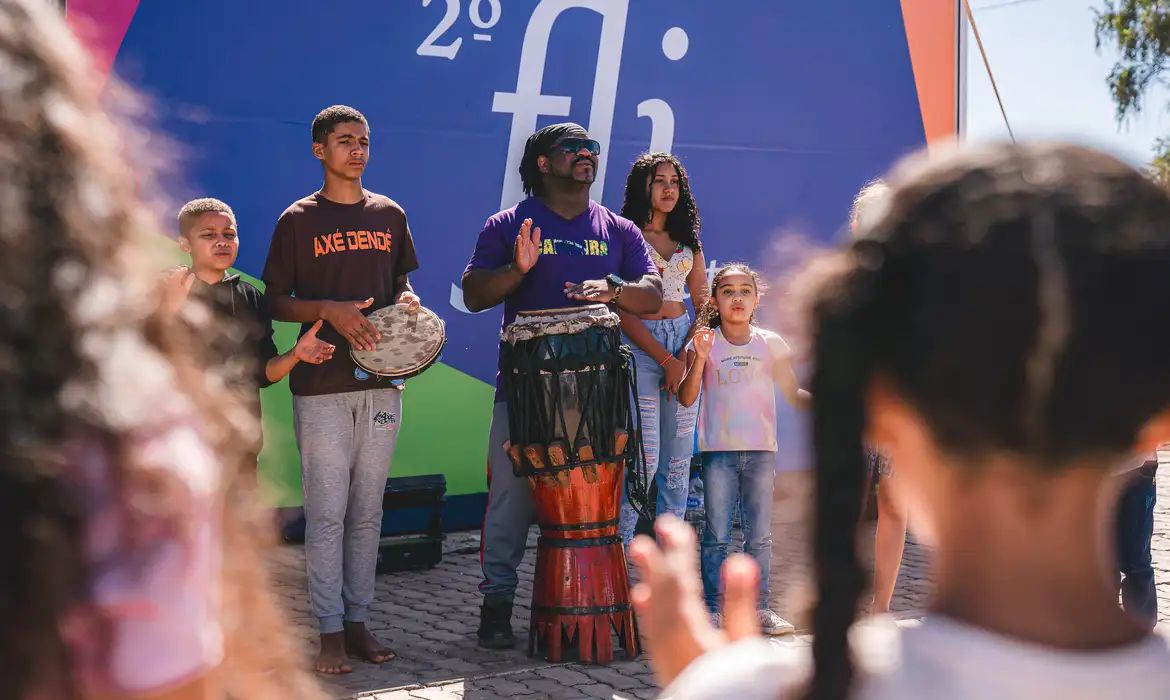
[(322, 250)]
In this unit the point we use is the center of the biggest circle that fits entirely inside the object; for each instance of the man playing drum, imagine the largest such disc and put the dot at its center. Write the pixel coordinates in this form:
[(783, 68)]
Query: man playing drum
[(336, 253), (556, 248)]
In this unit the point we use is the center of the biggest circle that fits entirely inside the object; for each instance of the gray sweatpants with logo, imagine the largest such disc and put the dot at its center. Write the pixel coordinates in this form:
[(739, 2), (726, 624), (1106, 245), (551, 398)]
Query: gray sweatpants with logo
[(346, 443)]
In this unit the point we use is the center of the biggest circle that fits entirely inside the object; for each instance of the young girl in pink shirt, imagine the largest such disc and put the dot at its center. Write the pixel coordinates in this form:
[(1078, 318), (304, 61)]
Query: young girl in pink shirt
[(739, 367)]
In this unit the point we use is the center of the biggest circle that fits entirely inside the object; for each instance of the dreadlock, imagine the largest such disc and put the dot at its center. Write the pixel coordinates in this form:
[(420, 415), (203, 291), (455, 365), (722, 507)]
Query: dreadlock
[(682, 223), (708, 315), (1040, 256), (540, 144)]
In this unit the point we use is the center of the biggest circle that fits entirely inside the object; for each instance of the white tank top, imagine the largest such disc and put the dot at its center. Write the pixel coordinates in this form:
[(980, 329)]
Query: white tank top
[(674, 271)]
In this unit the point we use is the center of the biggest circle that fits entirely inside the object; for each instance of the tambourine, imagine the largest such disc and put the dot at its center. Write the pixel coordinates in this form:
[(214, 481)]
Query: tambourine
[(411, 342)]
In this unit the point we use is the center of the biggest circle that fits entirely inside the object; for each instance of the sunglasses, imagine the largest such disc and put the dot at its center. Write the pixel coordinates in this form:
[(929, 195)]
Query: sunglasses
[(575, 144)]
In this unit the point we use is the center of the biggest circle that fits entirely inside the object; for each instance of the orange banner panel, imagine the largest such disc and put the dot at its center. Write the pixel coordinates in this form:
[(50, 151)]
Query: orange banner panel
[(932, 37)]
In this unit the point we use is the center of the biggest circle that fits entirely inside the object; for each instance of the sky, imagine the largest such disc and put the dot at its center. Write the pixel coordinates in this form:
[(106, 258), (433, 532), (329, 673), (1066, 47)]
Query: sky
[(1052, 79)]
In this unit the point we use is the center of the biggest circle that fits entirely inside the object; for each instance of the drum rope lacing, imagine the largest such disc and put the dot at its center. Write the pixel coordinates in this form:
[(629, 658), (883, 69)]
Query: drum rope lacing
[(590, 372)]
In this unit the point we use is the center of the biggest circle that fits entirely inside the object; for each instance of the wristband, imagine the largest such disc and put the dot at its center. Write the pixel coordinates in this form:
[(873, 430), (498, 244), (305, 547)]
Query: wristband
[(668, 359)]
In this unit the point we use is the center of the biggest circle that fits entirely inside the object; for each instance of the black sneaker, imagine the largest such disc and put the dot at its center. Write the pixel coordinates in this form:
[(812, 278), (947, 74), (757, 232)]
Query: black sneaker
[(495, 624)]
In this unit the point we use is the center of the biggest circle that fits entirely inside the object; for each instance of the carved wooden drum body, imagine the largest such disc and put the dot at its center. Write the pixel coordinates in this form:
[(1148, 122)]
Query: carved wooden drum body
[(567, 384)]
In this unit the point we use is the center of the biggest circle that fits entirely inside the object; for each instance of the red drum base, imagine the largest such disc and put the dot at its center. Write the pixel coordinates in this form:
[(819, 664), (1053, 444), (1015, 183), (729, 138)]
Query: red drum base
[(581, 587)]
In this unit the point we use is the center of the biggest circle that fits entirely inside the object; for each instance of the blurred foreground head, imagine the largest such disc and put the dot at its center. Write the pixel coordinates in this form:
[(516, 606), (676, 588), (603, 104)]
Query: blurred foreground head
[(1000, 305), (91, 371)]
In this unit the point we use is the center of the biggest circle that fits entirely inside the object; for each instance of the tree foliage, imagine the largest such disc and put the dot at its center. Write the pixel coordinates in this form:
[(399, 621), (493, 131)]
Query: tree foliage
[(1159, 168), (1140, 32)]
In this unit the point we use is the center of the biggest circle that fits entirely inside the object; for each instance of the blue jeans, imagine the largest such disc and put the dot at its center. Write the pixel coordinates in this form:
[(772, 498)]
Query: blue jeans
[(743, 480), (1135, 528), (668, 427)]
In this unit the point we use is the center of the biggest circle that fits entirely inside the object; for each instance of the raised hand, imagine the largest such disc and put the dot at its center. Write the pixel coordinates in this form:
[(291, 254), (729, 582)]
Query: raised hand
[(351, 323), (703, 341), (311, 349), (527, 250), (413, 303), (669, 601), (177, 289)]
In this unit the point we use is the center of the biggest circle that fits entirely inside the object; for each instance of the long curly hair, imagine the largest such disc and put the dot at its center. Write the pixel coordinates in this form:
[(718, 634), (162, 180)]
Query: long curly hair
[(88, 358), (682, 223), (1035, 260)]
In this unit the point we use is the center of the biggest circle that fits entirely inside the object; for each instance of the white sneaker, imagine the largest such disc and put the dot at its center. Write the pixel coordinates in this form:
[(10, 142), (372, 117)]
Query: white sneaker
[(717, 620), (773, 625)]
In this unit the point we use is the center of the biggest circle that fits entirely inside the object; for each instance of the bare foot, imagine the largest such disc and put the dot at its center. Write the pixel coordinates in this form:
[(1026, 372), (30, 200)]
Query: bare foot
[(362, 643), (332, 659)]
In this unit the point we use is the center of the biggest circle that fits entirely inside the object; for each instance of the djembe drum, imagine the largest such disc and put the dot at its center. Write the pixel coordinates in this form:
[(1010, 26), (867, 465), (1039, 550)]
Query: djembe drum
[(569, 382)]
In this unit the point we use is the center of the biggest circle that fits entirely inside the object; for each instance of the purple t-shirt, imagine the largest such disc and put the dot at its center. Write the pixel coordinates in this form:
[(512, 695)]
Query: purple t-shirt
[(589, 247)]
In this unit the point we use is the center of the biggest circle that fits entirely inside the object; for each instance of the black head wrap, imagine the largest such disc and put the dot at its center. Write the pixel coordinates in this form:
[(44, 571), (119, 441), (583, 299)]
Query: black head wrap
[(539, 144)]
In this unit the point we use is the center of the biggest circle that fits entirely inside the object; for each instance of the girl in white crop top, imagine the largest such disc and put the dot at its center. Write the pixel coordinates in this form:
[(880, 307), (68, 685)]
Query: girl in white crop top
[(658, 199), (675, 271), (971, 331)]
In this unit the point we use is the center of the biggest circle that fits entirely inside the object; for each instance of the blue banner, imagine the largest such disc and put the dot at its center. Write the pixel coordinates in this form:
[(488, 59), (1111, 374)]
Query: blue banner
[(779, 110)]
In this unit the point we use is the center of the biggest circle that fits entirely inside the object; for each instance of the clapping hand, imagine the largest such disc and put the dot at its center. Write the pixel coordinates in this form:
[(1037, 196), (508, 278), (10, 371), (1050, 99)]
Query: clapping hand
[(598, 291), (527, 250), (669, 600), (311, 349)]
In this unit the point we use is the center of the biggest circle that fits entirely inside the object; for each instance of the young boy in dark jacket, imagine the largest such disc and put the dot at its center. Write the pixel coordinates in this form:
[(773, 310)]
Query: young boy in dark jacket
[(208, 233)]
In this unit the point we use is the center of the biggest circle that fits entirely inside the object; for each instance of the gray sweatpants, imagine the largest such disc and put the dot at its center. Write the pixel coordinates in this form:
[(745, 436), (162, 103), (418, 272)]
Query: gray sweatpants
[(346, 443), (508, 517)]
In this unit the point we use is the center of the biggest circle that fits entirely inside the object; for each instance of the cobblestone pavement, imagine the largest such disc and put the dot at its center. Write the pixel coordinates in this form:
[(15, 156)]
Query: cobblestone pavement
[(429, 618)]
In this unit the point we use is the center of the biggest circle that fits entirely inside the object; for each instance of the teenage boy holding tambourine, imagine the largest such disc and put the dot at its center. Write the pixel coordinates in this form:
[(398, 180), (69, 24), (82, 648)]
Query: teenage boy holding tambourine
[(334, 254)]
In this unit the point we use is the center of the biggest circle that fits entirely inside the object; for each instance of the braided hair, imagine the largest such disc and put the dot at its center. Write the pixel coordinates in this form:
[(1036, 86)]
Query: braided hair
[(1039, 256), (708, 315), (540, 144), (682, 223)]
